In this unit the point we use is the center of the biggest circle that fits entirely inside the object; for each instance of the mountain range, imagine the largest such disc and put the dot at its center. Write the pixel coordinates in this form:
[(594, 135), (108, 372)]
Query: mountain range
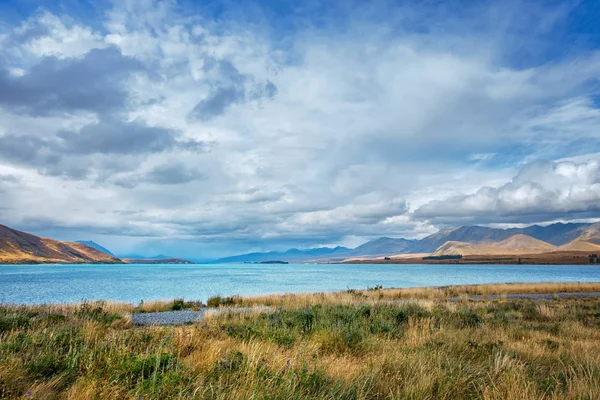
[(466, 240), (18, 247)]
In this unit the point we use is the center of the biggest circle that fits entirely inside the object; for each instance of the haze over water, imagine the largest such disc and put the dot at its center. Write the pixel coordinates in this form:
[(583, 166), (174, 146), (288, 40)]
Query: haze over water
[(27, 284)]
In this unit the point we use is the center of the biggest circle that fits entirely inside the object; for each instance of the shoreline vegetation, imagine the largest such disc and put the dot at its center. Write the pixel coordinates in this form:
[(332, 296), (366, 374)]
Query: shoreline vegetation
[(550, 258), (436, 343)]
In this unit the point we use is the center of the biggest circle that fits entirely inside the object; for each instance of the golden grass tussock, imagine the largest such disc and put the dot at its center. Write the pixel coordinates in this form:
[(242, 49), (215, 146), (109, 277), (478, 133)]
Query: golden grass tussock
[(370, 348), (352, 296)]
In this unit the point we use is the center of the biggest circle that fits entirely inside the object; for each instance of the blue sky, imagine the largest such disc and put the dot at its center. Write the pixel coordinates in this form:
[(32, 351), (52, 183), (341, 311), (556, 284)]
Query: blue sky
[(203, 129)]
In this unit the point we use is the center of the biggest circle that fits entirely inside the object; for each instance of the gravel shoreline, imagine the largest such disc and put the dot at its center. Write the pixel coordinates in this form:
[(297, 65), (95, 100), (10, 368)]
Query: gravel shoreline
[(187, 316)]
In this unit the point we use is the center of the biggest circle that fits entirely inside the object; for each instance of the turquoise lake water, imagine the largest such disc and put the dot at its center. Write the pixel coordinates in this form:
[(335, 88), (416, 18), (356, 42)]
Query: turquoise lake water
[(132, 283)]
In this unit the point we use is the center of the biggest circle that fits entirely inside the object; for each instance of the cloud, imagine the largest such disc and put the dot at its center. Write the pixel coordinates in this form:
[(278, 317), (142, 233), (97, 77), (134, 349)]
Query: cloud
[(217, 102), (110, 136), (94, 82), (541, 191), (171, 174), (229, 88), (266, 127), (45, 34), (9, 178), (62, 155)]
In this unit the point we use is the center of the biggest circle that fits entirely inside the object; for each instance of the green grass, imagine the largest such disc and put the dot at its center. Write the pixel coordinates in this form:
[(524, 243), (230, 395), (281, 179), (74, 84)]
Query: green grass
[(501, 349)]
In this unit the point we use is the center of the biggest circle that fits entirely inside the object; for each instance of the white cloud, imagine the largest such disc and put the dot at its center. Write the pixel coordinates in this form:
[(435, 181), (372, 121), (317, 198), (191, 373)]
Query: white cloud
[(58, 39), (360, 127), (542, 191)]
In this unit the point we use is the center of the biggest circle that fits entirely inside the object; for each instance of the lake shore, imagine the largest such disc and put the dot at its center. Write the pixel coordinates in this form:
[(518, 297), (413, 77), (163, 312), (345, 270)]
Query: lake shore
[(550, 258), (356, 344), (37, 284)]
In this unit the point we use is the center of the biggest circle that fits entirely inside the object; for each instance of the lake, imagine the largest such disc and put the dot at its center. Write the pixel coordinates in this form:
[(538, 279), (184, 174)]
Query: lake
[(32, 284)]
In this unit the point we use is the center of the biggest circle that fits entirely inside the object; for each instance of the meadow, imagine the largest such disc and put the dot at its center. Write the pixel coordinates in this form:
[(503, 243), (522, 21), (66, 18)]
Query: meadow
[(426, 343)]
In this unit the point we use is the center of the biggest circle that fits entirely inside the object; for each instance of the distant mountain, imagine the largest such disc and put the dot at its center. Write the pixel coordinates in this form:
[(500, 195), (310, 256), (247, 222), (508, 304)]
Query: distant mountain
[(452, 248), (143, 257), (18, 247), (290, 255), (464, 234), (383, 246), (523, 244), (92, 244), (534, 239), (171, 260), (588, 240), (557, 234), (316, 252), (516, 244)]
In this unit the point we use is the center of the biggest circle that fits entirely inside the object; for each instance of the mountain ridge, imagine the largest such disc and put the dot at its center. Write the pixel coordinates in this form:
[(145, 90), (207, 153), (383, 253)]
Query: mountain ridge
[(554, 236), (515, 244), (17, 247), (92, 244)]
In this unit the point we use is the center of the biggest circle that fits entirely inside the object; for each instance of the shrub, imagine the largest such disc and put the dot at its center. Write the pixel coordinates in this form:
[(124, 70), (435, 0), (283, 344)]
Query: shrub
[(136, 367), (216, 301), (178, 304), (231, 362), (12, 321), (46, 367), (467, 318), (410, 310), (96, 313)]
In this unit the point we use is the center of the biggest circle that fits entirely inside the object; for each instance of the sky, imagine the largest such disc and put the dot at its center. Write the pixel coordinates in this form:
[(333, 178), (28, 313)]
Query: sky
[(206, 129)]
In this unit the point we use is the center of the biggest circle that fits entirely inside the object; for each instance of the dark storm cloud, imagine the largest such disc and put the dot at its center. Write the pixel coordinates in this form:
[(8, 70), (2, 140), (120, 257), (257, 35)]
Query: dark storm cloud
[(94, 82)]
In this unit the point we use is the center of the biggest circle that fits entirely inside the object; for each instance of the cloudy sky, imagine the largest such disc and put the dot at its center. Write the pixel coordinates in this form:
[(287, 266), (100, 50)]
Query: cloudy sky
[(204, 129)]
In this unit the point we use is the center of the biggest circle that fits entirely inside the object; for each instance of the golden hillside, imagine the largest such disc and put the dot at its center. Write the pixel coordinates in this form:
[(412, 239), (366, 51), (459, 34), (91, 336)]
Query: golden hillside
[(452, 248), (516, 244), (18, 247), (589, 240)]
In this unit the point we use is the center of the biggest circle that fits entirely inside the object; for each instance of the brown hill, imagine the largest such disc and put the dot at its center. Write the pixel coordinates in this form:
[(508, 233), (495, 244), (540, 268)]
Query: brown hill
[(452, 248), (18, 247), (516, 244), (589, 240), (580, 245), (521, 244)]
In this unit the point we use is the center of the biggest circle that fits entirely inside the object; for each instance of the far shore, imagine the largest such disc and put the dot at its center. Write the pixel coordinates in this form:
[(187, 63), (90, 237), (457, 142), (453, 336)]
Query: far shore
[(555, 257)]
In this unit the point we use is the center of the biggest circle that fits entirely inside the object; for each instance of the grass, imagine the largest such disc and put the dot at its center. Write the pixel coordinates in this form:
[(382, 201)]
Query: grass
[(369, 348), (377, 294)]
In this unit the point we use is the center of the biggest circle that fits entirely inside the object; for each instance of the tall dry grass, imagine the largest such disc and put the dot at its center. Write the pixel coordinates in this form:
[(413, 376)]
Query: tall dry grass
[(345, 346), (353, 296)]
